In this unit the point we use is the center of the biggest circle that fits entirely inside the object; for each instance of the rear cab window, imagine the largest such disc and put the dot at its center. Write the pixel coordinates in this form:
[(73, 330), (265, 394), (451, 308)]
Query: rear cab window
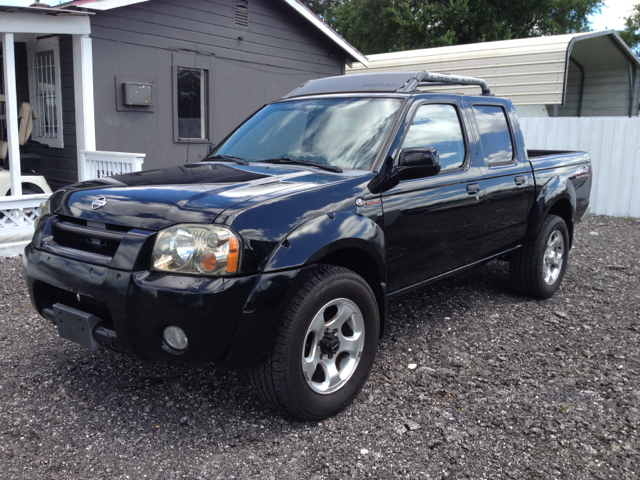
[(495, 135), (438, 126)]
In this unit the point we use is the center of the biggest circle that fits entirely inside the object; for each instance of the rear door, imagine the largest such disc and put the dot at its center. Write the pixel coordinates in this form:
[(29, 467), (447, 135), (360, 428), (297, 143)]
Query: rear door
[(506, 176), (433, 225)]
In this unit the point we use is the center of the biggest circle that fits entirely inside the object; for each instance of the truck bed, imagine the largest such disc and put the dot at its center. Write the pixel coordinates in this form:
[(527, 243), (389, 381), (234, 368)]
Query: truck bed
[(552, 159), (545, 153)]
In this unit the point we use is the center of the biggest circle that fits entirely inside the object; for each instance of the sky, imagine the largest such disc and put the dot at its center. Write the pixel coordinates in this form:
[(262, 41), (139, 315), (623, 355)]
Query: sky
[(611, 16)]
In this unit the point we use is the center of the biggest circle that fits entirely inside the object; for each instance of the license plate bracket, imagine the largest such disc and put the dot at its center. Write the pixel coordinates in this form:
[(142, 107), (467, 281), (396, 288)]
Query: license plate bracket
[(76, 326)]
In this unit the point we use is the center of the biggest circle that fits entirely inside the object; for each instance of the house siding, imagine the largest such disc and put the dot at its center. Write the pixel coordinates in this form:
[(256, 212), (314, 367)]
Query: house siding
[(60, 165), (22, 72), (279, 51)]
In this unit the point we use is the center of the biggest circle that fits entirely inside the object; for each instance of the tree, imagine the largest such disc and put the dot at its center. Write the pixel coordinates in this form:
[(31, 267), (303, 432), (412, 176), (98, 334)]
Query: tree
[(376, 26), (631, 33), (323, 8)]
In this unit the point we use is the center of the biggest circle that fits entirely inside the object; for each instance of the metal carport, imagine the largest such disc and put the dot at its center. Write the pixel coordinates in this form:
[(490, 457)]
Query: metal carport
[(584, 74)]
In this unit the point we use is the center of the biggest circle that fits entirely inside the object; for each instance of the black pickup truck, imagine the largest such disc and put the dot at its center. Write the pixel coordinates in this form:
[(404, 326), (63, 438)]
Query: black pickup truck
[(279, 251)]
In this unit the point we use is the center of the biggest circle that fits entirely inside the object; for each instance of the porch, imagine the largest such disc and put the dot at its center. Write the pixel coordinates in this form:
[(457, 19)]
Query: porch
[(47, 121)]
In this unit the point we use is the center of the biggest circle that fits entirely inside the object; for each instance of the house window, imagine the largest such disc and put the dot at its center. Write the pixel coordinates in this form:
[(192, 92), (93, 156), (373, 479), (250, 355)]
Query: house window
[(241, 13), (45, 94), (192, 103)]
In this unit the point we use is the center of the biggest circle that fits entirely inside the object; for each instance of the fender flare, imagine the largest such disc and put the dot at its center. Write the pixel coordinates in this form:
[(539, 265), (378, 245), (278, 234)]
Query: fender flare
[(311, 241), (289, 267), (557, 188)]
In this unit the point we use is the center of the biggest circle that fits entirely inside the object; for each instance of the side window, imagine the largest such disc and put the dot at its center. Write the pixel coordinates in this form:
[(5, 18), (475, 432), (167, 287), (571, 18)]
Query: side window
[(438, 126), (192, 111), (45, 91), (494, 134)]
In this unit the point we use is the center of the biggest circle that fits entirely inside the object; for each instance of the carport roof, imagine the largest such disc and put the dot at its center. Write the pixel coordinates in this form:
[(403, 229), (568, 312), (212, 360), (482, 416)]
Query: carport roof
[(297, 5), (529, 71)]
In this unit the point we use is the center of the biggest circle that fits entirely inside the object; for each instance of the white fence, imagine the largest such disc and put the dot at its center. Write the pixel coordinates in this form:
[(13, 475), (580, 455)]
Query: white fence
[(613, 144), (106, 164), (17, 218)]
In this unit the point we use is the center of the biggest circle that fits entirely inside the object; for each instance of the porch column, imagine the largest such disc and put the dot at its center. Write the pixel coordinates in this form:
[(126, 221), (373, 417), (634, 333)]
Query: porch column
[(11, 99), (83, 91)]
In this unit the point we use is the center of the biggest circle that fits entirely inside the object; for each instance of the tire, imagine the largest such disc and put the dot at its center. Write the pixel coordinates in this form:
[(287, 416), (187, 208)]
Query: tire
[(537, 269), (295, 378)]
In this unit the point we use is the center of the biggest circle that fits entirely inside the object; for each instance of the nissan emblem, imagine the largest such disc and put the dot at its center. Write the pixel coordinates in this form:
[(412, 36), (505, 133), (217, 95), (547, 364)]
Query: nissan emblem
[(98, 203)]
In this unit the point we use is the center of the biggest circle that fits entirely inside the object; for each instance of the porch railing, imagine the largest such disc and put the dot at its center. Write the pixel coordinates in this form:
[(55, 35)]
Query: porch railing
[(95, 164)]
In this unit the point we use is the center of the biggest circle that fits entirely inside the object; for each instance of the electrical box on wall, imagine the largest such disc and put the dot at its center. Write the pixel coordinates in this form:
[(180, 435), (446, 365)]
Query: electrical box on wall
[(137, 94)]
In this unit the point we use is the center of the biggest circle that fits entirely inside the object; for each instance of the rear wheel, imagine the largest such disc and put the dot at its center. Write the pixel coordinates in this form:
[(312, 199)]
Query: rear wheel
[(325, 346), (538, 268)]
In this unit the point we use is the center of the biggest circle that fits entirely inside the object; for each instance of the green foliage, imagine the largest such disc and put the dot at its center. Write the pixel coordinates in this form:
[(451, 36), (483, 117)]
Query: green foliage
[(631, 33), (376, 26)]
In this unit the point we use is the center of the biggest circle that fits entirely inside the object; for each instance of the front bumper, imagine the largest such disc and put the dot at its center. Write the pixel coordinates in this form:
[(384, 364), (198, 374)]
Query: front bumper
[(138, 305)]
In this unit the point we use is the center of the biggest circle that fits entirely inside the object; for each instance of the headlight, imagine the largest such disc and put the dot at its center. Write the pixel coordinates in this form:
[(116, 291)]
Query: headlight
[(197, 249), (45, 209)]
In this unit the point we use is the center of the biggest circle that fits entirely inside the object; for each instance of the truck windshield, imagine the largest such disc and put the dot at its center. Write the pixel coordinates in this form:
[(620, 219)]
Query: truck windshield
[(344, 132)]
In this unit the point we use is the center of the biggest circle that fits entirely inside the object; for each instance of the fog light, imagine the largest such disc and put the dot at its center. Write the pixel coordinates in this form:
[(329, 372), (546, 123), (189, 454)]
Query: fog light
[(175, 338)]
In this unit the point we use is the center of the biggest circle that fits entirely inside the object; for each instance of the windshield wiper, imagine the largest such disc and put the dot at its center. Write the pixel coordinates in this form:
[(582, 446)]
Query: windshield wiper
[(300, 161), (227, 158)]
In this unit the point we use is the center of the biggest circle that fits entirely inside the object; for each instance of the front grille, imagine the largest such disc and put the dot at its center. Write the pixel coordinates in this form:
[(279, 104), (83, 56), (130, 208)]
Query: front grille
[(87, 236)]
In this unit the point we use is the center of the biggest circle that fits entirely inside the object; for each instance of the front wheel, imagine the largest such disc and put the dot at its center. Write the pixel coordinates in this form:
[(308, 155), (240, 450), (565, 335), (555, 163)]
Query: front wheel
[(325, 347), (538, 268)]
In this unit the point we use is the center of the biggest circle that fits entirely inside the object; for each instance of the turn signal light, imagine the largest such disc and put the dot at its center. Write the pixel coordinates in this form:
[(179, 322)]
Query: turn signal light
[(234, 253)]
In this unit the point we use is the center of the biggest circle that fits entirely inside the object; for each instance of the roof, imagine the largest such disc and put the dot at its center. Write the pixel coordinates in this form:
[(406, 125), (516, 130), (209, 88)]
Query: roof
[(297, 5), (367, 82), (385, 82), (44, 10), (529, 71), (43, 21)]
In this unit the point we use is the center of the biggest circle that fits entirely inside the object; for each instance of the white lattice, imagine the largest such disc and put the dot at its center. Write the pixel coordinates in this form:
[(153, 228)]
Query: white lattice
[(18, 215)]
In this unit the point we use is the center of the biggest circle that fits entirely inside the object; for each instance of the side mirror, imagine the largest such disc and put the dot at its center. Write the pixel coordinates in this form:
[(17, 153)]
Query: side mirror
[(386, 178), (418, 163), (211, 148)]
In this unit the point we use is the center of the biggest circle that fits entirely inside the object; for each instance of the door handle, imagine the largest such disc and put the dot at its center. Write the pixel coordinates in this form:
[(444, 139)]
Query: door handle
[(473, 189), (520, 180)]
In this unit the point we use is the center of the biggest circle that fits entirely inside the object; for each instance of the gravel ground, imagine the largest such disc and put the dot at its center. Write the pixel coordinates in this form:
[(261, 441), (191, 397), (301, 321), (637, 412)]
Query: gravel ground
[(504, 387)]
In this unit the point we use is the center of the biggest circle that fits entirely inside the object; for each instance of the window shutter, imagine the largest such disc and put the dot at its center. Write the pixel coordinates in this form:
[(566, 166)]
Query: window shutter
[(241, 13)]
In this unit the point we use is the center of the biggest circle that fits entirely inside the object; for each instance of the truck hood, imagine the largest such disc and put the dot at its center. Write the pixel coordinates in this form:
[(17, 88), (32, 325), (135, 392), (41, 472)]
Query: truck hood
[(195, 193)]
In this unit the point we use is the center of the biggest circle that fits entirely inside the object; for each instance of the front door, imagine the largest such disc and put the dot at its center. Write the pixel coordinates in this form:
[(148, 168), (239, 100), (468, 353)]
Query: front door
[(434, 225)]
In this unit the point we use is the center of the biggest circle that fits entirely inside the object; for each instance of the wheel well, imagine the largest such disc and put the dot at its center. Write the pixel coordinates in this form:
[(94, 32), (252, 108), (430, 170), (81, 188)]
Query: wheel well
[(562, 208), (363, 264), (29, 186)]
